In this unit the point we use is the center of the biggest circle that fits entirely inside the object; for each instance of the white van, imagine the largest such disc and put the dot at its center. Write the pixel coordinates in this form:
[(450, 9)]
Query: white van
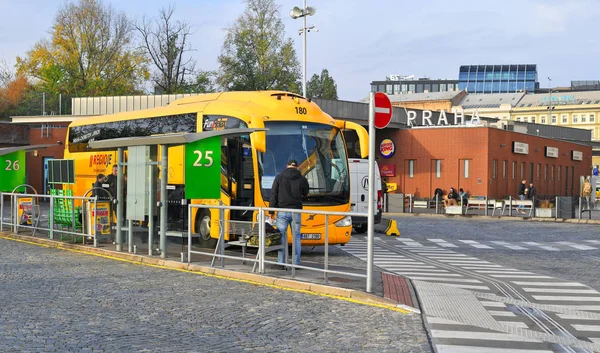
[(359, 191)]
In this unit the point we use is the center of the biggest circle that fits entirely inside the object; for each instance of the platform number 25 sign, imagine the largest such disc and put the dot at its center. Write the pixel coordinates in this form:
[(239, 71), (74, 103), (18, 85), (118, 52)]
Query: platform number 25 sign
[(203, 169)]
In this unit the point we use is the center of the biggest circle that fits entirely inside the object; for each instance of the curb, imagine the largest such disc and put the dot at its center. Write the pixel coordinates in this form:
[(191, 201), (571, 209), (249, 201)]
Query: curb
[(497, 218), (350, 295)]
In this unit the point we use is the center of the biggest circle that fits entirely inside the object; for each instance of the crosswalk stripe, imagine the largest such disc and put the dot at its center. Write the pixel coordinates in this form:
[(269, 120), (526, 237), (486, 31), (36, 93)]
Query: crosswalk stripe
[(545, 247), (593, 241), (444, 348), (577, 246), (508, 245), (444, 279), (575, 317), (590, 328), (427, 274), (488, 336), (501, 313), (443, 243), (481, 267), (467, 286), (582, 307), (475, 244), (504, 272), (560, 290), (520, 276), (549, 284), (566, 299), (494, 304), (448, 256), (517, 324)]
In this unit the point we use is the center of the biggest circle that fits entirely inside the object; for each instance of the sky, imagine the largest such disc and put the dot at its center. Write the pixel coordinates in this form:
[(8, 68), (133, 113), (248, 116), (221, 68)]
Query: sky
[(363, 41)]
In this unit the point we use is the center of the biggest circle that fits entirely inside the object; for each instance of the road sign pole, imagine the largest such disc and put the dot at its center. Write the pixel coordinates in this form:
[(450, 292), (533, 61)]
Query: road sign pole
[(371, 193)]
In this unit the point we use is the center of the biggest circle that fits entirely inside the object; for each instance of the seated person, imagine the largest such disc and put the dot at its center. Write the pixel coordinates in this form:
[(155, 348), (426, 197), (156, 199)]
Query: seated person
[(451, 198), (462, 196)]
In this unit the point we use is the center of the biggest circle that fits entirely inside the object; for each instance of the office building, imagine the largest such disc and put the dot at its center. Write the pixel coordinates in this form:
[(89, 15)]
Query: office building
[(498, 78), (396, 84)]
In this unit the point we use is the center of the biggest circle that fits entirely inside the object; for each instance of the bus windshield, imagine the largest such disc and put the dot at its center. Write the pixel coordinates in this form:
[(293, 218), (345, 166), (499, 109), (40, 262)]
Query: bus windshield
[(321, 155)]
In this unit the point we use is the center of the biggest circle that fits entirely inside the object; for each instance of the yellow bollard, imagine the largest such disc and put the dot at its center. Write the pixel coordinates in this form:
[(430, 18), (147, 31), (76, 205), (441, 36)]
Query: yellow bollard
[(392, 228)]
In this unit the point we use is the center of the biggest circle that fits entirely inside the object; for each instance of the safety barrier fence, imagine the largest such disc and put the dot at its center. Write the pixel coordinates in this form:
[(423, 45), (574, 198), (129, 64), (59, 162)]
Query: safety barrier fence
[(63, 217), (262, 248), (550, 206)]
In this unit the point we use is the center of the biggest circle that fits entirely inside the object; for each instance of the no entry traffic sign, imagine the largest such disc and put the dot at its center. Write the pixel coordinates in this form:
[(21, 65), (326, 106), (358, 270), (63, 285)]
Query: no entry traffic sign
[(383, 110)]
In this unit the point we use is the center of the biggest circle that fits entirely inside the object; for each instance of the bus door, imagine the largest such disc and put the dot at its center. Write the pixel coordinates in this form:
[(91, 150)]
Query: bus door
[(240, 176)]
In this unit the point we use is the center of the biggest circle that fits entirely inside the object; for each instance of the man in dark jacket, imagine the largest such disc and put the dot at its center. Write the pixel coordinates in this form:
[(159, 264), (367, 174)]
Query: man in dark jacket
[(522, 194), (289, 187), (532, 191)]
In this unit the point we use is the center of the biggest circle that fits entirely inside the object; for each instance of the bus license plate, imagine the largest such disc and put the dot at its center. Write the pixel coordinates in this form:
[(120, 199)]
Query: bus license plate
[(311, 236)]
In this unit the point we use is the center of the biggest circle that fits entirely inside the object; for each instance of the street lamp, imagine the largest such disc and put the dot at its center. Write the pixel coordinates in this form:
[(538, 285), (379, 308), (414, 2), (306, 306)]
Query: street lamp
[(550, 101), (295, 13)]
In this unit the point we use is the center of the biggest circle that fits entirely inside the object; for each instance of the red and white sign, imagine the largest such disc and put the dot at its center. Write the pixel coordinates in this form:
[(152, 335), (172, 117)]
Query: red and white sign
[(387, 170), (383, 110)]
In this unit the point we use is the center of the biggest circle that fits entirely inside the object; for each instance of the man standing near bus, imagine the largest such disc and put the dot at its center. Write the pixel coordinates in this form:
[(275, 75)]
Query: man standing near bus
[(289, 187)]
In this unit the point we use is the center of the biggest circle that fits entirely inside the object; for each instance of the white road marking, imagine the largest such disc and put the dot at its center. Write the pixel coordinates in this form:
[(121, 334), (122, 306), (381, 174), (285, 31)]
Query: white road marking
[(577, 246), (560, 290), (566, 299), (574, 317), (475, 244), (489, 336), (504, 272), (444, 348), (545, 247), (501, 313), (549, 284), (442, 242), (467, 286), (521, 276), (518, 324), (590, 328), (508, 245), (494, 304), (410, 274), (444, 279)]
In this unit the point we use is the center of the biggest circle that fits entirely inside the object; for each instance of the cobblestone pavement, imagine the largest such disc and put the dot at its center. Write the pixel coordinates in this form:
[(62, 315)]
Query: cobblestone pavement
[(61, 301)]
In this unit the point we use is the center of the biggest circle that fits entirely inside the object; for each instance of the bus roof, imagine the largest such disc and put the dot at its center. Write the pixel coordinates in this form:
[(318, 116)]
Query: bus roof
[(262, 103)]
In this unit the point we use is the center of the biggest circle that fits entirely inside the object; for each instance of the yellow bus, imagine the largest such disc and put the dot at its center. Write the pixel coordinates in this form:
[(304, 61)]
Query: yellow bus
[(297, 129)]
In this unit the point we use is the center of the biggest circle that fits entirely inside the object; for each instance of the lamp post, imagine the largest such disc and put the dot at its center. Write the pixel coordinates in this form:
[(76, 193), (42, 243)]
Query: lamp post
[(295, 13), (550, 101)]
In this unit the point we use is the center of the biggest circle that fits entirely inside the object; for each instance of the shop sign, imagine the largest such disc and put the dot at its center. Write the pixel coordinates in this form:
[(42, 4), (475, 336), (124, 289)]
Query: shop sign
[(387, 148), (387, 170), (98, 220), (551, 152), (520, 147), (577, 155), (25, 210)]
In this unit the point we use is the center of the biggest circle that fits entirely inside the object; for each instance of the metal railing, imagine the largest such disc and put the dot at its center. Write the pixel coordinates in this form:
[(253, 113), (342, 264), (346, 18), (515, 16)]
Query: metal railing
[(49, 226), (261, 219)]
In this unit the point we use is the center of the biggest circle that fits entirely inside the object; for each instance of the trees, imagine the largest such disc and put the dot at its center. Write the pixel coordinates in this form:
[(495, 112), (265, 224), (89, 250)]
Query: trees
[(166, 43), (322, 86), (91, 53), (255, 53)]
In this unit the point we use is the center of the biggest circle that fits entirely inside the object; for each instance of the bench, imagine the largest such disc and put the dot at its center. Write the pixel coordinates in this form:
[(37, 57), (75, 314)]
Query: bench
[(480, 204), (454, 210), (515, 204)]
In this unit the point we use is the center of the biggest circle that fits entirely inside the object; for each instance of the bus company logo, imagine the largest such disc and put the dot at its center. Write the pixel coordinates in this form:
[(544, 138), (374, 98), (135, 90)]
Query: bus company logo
[(387, 148), (104, 159), (210, 124)]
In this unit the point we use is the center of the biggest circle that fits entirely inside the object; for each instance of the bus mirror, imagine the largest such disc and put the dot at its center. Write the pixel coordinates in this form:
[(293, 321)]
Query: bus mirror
[(258, 138), (363, 135)]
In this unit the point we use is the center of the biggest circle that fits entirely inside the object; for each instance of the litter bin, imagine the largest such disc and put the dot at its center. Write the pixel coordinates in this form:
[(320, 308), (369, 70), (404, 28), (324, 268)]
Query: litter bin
[(396, 203), (566, 207)]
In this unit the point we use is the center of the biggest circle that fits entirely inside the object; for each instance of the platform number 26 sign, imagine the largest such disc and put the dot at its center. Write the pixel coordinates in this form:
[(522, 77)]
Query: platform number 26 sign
[(12, 172), (203, 169)]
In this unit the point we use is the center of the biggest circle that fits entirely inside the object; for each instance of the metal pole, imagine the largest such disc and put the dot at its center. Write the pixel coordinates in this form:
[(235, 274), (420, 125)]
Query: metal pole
[(222, 235), (151, 185), (51, 217), (119, 197), (510, 205), (579, 207), (43, 103), (556, 205), (304, 51), (486, 205), (325, 274), (261, 240), (96, 219), (189, 251), (130, 235), (1, 212), (60, 104), (371, 194), (164, 160), (437, 197), (410, 203), (294, 246)]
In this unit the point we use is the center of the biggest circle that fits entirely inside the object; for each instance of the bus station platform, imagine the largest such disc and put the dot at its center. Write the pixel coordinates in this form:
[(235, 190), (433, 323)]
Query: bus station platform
[(388, 289)]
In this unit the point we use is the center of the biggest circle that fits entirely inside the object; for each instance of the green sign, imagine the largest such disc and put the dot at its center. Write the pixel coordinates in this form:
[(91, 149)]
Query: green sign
[(203, 169), (12, 171)]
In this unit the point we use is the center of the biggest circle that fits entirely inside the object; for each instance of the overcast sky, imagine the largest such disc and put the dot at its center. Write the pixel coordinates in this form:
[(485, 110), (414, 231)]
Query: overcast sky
[(362, 41)]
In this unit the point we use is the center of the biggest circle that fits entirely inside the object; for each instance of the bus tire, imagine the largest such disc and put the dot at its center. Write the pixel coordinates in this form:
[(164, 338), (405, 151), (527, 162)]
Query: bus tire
[(360, 228), (202, 228)]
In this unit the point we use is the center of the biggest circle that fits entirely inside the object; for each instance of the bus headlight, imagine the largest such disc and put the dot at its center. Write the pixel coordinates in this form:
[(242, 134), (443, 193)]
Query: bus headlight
[(344, 222)]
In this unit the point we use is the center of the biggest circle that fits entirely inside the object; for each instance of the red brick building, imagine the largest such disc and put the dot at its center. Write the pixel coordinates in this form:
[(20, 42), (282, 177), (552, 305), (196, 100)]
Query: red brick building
[(483, 161)]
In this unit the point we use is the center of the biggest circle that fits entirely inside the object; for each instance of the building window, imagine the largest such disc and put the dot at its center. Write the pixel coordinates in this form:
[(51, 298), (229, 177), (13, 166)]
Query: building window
[(545, 172), (443, 87), (438, 168), (518, 118), (575, 119), (396, 89), (537, 172), (494, 169), (533, 119), (466, 169), (552, 173), (504, 165), (565, 119), (584, 118), (592, 118), (543, 120), (514, 170), (522, 170), (411, 168), (389, 89), (553, 119), (558, 174)]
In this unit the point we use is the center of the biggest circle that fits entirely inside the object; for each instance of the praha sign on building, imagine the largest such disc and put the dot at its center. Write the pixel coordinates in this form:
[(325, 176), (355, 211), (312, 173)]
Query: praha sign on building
[(441, 118)]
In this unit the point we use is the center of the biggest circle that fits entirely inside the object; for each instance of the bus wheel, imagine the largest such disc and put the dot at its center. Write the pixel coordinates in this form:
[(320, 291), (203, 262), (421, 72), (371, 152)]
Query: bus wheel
[(203, 230), (360, 228)]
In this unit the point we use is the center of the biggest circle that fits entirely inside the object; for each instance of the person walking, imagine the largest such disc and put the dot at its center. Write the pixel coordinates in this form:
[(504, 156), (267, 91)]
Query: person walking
[(586, 191), (522, 192), (289, 187)]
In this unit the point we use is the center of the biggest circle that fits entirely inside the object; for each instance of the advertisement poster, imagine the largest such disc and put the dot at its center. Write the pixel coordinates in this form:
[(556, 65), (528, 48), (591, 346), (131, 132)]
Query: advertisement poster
[(100, 220), (387, 170), (25, 210)]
